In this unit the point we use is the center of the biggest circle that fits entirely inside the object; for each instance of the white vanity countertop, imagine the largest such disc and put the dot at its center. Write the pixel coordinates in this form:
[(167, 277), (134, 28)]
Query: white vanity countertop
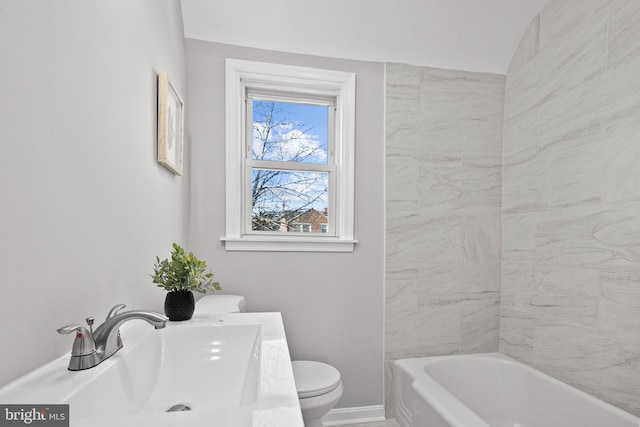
[(276, 403)]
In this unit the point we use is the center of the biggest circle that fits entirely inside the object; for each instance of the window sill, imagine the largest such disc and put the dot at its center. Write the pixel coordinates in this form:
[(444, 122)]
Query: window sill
[(282, 244)]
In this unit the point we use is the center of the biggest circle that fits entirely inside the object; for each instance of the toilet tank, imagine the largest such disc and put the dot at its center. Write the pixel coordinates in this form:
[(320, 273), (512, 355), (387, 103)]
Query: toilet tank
[(216, 304)]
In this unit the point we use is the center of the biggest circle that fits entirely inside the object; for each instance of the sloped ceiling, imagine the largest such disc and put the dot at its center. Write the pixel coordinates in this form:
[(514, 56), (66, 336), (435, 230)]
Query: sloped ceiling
[(472, 35)]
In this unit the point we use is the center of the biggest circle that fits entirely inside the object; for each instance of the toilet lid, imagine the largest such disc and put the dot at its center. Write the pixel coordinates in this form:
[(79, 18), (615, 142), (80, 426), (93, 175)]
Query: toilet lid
[(217, 304), (314, 378)]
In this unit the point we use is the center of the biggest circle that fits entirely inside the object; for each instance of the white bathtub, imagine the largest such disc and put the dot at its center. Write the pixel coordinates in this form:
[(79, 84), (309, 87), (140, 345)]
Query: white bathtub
[(493, 390)]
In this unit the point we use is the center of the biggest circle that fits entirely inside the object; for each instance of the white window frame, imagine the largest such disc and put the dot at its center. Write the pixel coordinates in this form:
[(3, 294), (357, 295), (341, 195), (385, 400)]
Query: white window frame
[(242, 75)]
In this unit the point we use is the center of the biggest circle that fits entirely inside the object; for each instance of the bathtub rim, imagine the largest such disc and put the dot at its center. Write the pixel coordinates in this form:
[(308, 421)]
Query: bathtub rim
[(448, 406), (431, 390)]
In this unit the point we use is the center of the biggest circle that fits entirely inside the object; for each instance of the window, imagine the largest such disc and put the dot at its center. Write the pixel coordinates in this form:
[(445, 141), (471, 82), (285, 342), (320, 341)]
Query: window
[(301, 227), (289, 151), (289, 158)]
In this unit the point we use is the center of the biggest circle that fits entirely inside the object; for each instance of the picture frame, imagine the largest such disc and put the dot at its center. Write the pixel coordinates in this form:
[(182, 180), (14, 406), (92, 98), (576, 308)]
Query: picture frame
[(170, 126)]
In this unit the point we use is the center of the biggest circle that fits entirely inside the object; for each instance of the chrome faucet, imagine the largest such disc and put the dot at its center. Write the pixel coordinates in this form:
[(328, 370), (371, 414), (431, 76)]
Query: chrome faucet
[(91, 348)]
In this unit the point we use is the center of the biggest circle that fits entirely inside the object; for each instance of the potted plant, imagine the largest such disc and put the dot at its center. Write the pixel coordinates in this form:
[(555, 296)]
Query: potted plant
[(181, 276)]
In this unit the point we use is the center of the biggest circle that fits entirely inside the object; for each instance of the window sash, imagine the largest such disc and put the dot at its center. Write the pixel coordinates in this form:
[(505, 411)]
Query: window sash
[(289, 166), (293, 98), (248, 206), (250, 163)]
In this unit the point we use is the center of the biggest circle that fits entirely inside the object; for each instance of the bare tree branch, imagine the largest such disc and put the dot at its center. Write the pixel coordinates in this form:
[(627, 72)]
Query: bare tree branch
[(280, 196)]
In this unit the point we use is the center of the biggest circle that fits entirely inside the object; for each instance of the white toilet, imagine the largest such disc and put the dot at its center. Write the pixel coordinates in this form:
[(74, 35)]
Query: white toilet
[(319, 389), (318, 384), (216, 304)]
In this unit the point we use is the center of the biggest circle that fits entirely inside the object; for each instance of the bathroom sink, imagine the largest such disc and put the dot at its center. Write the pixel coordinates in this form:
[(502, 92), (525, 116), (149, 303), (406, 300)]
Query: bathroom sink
[(192, 366), (201, 372)]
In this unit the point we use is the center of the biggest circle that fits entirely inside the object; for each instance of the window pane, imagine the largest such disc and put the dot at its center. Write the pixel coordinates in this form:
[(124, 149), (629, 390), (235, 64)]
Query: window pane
[(286, 201), (289, 132)]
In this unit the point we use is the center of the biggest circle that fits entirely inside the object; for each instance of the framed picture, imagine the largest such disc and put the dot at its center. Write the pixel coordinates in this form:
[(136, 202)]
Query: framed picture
[(170, 126)]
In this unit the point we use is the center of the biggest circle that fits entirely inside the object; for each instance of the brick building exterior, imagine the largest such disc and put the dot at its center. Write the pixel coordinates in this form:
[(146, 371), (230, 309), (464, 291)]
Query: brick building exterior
[(311, 221)]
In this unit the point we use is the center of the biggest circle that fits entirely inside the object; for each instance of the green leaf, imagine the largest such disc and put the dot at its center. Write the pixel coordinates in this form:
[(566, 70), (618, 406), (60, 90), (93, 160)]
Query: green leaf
[(184, 272)]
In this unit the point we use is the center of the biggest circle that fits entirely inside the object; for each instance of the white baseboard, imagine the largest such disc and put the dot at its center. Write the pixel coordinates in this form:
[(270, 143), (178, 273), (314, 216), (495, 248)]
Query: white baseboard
[(361, 414)]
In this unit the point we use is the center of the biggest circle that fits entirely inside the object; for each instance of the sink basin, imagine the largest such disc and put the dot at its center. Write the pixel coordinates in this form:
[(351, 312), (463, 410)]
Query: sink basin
[(227, 372), (194, 366)]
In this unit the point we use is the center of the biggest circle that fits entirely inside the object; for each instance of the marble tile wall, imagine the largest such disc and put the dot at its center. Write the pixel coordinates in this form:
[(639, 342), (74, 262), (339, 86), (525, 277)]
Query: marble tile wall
[(570, 301), (443, 226)]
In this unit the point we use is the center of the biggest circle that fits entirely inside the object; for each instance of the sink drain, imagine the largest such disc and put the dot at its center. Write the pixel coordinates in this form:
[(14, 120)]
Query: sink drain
[(180, 407)]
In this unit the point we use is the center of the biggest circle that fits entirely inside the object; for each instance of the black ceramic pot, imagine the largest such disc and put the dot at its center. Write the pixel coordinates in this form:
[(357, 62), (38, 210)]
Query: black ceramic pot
[(179, 305)]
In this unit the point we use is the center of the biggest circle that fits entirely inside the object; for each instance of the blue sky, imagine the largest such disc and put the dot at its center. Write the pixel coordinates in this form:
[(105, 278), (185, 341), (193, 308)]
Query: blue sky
[(306, 126)]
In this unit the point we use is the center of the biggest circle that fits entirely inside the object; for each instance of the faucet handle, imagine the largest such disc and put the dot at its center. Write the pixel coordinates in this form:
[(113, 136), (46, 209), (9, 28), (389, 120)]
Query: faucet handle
[(90, 321), (83, 344), (115, 310)]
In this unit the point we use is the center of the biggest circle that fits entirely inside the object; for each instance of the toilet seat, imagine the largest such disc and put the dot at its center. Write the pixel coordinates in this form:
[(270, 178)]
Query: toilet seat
[(314, 378)]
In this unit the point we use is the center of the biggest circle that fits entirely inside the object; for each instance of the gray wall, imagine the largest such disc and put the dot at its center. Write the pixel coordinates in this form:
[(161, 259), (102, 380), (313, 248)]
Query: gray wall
[(85, 207), (443, 190), (571, 198), (332, 303)]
